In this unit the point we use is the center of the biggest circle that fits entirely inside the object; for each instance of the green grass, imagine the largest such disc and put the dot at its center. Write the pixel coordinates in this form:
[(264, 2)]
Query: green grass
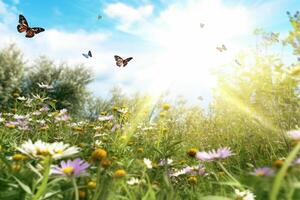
[(253, 146)]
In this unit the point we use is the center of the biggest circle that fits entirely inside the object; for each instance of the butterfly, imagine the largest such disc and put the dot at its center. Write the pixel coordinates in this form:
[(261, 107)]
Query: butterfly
[(202, 25), (222, 48), (237, 62), (99, 17), (23, 26), (120, 61), (89, 54)]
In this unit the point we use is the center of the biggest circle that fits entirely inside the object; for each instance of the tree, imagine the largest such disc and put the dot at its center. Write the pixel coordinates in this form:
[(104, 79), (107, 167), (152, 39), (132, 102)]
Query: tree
[(11, 74)]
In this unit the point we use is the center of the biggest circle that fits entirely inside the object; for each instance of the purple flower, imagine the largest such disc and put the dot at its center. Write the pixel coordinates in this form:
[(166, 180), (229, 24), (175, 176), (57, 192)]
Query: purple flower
[(195, 170), (263, 171), (70, 168), (164, 162), (44, 109), (294, 134), (116, 127), (297, 161), (213, 155)]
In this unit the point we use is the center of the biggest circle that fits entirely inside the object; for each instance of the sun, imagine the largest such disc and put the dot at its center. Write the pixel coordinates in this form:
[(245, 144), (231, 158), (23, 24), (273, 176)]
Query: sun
[(186, 53)]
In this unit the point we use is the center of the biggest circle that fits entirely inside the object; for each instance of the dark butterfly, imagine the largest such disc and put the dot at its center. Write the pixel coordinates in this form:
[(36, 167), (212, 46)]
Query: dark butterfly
[(122, 62), (99, 17), (222, 48), (89, 54), (237, 62), (24, 27)]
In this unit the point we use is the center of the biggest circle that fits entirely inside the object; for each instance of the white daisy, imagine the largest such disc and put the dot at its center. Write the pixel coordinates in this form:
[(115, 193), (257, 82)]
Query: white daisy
[(40, 149), (148, 163), (244, 195), (133, 181)]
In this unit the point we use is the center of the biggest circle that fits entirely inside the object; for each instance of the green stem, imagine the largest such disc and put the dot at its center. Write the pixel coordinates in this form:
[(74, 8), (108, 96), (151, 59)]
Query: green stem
[(42, 188), (97, 191), (280, 175), (75, 189), (230, 176)]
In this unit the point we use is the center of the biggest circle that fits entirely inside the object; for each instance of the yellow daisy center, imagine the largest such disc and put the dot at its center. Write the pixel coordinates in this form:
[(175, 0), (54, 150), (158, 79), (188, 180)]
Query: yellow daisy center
[(68, 170)]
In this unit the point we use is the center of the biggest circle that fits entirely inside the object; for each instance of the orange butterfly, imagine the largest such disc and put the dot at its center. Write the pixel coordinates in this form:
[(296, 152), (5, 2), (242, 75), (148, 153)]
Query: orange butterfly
[(120, 61), (23, 26)]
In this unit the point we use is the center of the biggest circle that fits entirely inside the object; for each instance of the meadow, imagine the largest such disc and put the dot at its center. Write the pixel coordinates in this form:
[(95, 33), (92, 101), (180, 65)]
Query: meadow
[(57, 142)]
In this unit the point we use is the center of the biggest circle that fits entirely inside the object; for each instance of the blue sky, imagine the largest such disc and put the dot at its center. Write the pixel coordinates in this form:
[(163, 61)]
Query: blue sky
[(170, 50)]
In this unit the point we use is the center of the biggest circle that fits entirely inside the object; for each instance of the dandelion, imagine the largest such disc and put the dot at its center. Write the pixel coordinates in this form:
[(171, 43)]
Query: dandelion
[(166, 106), (133, 181), (263, 171), (162, 114), (92, 185), (140, 150), (81, 194), (99, 154), (70, 168), (148, 163), (213, 155), (278, 163), (120, 173), (192, 152), (41, 149), (244, 195), (192, 180), (105, 163)]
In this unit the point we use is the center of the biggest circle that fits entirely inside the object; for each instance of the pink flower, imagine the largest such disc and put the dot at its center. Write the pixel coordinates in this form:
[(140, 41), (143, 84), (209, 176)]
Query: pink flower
[(213, 155)]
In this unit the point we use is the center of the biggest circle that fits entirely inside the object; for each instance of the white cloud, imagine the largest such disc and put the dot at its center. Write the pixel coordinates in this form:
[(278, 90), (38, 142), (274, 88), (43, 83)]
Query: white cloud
[(128, 15)]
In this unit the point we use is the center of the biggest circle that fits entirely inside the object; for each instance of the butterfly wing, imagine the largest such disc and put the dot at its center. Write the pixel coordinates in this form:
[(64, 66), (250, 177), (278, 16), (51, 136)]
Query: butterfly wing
[(23, 25), (30, 32), (118, 58), (22, 20), (224, 47), (21, 28), (125, 62), (37, 30), (85, 55), (90, 54), (219, 49), (119, 61)]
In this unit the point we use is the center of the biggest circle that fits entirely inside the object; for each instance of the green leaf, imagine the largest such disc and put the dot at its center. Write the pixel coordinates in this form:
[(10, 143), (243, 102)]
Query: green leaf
[(23, 186)]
